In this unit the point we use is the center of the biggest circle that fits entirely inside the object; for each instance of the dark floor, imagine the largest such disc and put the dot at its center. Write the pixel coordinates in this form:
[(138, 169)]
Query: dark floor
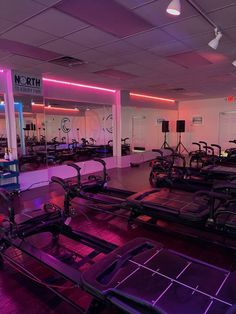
[(19, 295)]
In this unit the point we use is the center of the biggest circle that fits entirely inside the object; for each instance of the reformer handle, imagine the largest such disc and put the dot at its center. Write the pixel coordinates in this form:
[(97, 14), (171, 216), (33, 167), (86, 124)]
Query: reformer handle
[(219, 148), (197, 144), (204, 144), (61, 182), (103, 163), (77, 168), (209, 148), (6, 197)]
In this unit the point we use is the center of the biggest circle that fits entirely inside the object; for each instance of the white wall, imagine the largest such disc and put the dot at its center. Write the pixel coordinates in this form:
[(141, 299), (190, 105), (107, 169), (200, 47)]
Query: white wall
[(146, 131), (210, 110)]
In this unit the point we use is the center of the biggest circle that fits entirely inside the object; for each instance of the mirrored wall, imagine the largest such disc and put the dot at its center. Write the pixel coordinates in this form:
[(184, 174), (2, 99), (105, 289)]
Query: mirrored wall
[(54, 132)]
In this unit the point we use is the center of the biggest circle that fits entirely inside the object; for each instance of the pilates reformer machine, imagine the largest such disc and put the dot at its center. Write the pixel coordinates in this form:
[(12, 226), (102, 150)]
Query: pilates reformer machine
[(140, 277), (210, 214), (172, 171)]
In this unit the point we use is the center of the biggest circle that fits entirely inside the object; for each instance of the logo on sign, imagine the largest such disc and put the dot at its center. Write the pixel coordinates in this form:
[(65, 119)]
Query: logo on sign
[(65, 125), (108, 123), (27, 81), (27, 84)]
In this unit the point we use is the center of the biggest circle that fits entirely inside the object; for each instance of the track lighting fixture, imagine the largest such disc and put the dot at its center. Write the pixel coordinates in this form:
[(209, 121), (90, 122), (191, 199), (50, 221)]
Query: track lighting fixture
[(174, 7), (215, 42)]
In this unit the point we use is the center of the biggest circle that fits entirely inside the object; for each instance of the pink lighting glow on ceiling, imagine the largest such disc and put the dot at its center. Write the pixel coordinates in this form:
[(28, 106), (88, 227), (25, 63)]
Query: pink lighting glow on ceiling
[(50, 108), (152, 97), (79, 85), (1, 70)]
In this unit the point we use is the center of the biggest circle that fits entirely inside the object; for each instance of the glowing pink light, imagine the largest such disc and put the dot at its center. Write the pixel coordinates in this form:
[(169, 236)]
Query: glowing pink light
[(61, 109), (152, 97), (1, 70), (79, 85), (50, 108)]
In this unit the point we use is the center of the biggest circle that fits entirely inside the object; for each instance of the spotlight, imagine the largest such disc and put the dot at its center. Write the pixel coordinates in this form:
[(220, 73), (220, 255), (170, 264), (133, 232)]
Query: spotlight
[(234, 63), (174, 7), (215, 42)]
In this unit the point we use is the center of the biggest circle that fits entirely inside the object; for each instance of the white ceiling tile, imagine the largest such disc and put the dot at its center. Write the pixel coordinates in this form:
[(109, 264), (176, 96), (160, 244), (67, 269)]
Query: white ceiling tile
[(149, 39), (187, 28), (92, 55), (47, 2), (198, 41), (63, 46), (118, 48), (144, 58), (91, 37), (28, 36), (4, 25), (171, 48), (15, 10), (225, 17), (132, 68), (23, 61), (55, 22), (132, 3), (110, 61), (155, 12), (4, 54), (230, 33), (212, 5)]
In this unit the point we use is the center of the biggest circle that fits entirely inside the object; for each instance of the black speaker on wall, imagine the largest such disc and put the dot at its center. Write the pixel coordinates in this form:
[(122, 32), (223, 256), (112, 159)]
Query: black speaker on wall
[(180, 126), (165, 126)]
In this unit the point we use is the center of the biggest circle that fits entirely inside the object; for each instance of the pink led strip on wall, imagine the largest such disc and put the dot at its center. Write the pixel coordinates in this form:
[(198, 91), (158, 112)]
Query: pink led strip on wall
[(152, 97), (79, 85)]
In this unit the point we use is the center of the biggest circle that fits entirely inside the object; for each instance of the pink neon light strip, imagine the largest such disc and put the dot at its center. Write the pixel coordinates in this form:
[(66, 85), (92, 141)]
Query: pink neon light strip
[(58, 108), (152, 97), (79, 85), (55, 108)]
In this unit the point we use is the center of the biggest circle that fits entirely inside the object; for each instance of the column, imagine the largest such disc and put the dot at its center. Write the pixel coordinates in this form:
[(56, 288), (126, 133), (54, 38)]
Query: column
[(10, 113)]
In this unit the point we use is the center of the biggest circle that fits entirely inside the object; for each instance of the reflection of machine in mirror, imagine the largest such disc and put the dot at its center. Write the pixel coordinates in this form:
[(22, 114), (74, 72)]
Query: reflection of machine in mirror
[(57, 133)]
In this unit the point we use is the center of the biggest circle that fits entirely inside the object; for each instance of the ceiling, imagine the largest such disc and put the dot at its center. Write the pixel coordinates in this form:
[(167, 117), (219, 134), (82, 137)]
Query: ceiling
[(124, 44)]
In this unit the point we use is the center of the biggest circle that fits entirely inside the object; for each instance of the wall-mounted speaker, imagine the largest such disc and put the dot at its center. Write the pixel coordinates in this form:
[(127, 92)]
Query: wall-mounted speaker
[(180, 126), (165, 126)]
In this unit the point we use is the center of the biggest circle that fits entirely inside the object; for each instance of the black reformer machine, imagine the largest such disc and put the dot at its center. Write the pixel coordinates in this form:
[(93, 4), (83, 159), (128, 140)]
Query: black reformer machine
[(174, 283), (171, 171), (212, 212)]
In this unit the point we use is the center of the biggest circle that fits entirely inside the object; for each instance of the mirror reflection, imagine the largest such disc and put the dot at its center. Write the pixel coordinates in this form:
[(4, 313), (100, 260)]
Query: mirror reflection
[(54, 132)]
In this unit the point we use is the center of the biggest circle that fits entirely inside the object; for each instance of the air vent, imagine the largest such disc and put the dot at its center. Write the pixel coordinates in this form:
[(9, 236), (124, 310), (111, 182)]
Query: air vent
[(68, 61)]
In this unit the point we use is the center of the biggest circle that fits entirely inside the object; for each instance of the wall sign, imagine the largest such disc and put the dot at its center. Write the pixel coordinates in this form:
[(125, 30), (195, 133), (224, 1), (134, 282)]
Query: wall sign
[(198, 120), (108, 123), (65, 125), (24, 83), (160, 120)]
